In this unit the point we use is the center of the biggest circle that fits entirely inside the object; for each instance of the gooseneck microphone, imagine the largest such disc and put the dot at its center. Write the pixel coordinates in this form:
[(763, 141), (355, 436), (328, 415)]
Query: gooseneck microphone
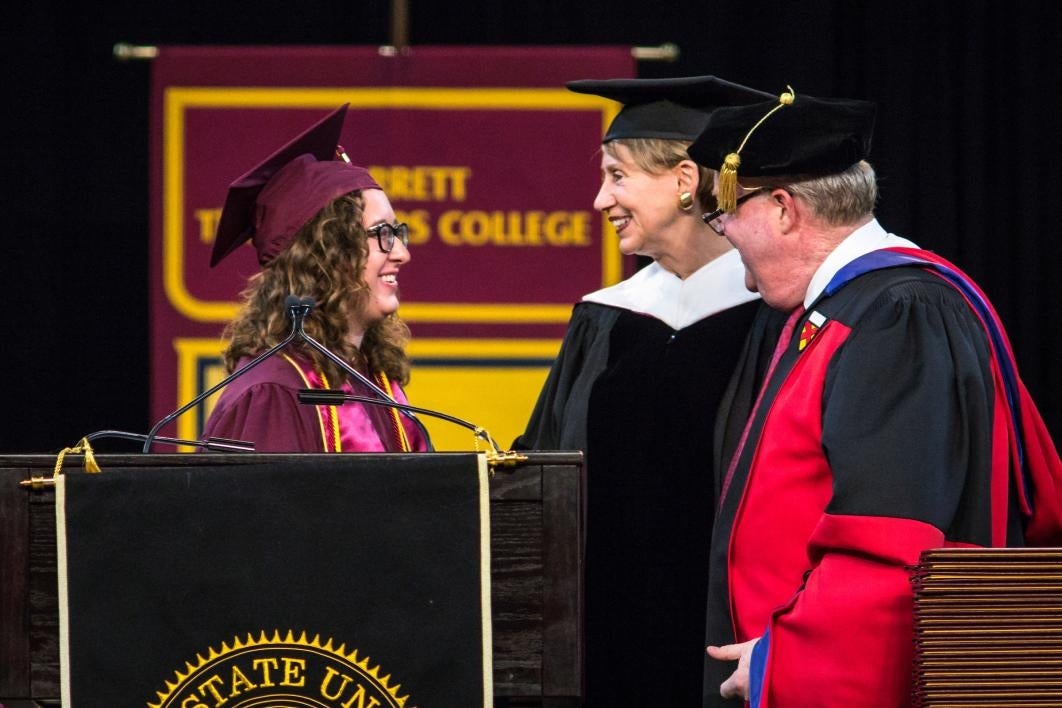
[(297, 311), (381, 397), (213, 444), (334, 397)]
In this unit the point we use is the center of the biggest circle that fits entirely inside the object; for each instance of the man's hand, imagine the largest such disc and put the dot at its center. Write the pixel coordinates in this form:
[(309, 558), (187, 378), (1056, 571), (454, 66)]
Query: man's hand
[(737, 686)]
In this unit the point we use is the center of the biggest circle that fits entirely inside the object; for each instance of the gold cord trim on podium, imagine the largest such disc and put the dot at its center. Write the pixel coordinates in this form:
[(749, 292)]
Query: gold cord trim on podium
[(39, 482), (498, 458), (82, 448), (504, 459)]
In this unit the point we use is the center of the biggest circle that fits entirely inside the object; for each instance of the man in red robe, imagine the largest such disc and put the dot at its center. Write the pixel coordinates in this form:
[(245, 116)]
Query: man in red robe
[(891, 420)]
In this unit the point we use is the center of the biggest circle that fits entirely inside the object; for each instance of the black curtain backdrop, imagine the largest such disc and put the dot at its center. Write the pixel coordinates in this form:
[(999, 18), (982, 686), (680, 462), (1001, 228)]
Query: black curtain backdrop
[(967, 151)]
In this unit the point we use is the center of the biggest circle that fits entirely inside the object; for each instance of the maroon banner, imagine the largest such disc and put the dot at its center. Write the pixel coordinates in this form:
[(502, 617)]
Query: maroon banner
[(486, 155)]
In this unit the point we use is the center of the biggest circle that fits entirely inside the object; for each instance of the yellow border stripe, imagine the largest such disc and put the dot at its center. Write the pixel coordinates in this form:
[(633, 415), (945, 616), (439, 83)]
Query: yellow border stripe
[(545, 99), (177, 100), (324, 425), (484, 348), (190, 351), (64, 593), (486, 314), (484, 574)]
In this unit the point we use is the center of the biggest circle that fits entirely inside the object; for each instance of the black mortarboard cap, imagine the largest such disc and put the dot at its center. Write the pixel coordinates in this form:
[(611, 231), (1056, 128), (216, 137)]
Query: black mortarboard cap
[(791, 135), (673, 109)]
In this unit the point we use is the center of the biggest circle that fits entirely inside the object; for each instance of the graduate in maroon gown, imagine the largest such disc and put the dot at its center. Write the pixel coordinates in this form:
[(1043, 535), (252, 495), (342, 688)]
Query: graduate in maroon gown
[(891, 421), (322, 228)]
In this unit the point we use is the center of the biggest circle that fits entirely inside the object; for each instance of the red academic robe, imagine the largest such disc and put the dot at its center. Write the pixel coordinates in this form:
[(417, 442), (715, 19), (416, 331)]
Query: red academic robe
[(881, 433)]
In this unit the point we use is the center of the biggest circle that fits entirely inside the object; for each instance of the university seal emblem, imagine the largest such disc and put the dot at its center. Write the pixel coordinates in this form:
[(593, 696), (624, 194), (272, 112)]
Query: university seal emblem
[(280, 670)]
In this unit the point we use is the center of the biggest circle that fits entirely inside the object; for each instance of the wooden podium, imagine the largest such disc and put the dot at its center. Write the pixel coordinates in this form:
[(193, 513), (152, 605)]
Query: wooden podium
[(536, 545)]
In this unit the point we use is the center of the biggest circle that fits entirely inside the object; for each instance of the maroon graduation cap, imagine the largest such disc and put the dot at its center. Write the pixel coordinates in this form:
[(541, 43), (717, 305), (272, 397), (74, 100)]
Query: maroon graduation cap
[(274, 199)]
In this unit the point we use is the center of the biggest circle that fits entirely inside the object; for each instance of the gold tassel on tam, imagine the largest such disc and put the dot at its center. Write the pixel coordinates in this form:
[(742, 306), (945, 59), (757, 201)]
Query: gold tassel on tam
[(727, 191), (726, 194)]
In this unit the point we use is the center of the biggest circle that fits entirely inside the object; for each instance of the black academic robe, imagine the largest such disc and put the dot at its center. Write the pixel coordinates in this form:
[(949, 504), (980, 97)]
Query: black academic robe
[(639, 397)]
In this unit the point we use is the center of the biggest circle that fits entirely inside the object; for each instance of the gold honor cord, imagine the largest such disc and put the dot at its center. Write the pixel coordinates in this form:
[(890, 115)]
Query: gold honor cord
[(333, 415), (400, 432), (726, 195), (327, 416)]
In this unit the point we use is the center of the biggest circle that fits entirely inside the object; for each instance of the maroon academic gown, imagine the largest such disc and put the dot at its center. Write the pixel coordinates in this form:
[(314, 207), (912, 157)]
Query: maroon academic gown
[(262, 407)]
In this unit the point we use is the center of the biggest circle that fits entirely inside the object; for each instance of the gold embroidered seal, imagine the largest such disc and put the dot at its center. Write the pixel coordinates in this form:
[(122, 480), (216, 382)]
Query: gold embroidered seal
[(279, 670)]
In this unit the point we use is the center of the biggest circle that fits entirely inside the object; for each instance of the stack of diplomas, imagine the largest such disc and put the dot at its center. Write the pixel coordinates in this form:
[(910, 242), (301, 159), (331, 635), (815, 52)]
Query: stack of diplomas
[(988, 627)]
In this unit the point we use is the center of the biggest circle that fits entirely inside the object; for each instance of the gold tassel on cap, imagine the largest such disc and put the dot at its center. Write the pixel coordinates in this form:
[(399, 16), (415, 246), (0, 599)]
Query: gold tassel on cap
[(726, 194)]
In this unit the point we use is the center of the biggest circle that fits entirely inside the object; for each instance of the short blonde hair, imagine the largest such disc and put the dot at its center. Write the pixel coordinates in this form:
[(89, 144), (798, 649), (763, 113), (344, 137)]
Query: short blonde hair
[(656, 155)]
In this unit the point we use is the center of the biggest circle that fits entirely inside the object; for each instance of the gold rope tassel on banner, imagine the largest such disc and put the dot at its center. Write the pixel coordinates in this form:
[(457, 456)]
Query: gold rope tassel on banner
[(727, 193), (82, 448)]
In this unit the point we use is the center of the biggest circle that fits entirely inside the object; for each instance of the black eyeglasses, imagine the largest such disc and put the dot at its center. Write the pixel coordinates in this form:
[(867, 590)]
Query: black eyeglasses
[(714, 219), (387, 233)]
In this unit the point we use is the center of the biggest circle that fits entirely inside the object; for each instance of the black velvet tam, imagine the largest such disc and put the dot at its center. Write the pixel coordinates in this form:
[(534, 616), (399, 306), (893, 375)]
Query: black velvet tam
[(673, 109), (809, 136)]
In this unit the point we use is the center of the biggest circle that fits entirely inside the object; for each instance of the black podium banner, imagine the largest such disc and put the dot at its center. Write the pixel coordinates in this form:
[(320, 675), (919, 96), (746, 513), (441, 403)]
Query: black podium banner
[(339, 581)]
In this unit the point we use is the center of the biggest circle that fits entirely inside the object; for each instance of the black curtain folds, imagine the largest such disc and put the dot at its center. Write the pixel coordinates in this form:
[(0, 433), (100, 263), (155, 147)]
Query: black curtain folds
[(967, 152)]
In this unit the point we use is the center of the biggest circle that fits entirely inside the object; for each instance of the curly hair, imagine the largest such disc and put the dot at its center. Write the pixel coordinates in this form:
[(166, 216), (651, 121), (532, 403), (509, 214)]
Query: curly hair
[(657, 155), (324, 261)]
